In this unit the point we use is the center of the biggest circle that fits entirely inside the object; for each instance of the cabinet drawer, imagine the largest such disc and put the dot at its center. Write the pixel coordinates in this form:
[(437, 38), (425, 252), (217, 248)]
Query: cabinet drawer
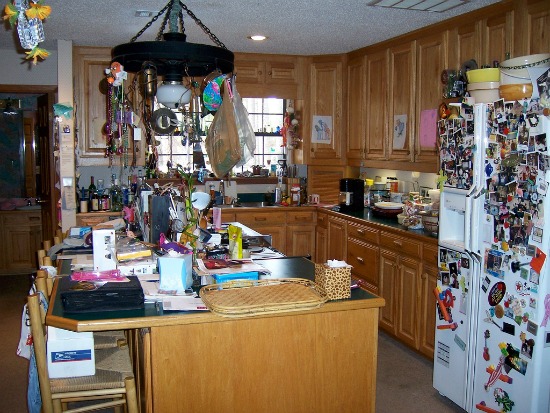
[(21, 218), (429, 254), (269, 218), (363, 232), (322, 219), (400, 244), (305, 217), (363, 257)]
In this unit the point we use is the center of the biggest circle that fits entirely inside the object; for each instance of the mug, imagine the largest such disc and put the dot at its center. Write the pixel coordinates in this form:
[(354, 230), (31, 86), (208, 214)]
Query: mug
[(313, 199)]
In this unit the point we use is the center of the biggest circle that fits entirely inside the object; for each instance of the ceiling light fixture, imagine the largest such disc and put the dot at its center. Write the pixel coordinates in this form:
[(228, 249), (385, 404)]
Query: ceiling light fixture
[(257, 37), (438, 6), (171, 55)]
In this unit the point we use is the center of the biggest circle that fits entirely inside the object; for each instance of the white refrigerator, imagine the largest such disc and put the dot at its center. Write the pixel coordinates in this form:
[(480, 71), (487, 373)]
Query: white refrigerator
[(492, 341)]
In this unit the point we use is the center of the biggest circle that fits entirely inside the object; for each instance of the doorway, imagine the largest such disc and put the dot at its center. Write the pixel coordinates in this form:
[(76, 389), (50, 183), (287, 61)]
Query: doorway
[(43, 145)]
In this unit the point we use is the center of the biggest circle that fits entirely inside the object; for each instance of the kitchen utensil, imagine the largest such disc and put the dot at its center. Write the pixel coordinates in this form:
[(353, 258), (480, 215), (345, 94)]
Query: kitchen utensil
[(389, 205)]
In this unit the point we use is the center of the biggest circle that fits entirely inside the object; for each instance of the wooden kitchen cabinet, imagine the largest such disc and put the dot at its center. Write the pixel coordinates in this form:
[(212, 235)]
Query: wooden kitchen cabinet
[(400, 271), (272, 222), (431, 53), (91, 219), (300, 233), (428, 283), (20, 239), (261, 75), (321, 237), (325, 99), (401, 103), (363, 253), (337, 238), (90, 100), (356, 88), (498, 37), (376, 108)]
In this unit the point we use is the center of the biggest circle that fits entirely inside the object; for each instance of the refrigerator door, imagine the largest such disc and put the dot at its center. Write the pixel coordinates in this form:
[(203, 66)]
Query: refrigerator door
[(452, 361), (512, 336)]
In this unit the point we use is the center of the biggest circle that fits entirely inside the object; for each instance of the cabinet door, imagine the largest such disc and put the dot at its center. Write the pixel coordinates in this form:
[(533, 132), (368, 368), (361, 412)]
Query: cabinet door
[(431, 55), (401, 103), (387, 285), (407, 301), (326, 100), (250, 71), (538, 20), (464, 42), (300, 240), (356, 109), (321, 245), (498, 33), (376, 105), (91, 102), (337, 239), (426, 340)]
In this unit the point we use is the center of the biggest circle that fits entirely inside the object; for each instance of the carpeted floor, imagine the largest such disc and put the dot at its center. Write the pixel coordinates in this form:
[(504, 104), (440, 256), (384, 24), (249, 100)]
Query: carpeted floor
[(404, 381)]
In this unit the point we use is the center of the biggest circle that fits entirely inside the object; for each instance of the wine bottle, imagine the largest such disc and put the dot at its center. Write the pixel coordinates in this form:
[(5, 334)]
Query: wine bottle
[(91, 189), (115, 194)]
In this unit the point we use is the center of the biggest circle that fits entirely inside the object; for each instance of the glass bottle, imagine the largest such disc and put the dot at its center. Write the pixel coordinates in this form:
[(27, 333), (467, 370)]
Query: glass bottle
[(95, 201), (116, 195), (99, 197), (125, 193), (91, 189), (105, 201), (130, 191)]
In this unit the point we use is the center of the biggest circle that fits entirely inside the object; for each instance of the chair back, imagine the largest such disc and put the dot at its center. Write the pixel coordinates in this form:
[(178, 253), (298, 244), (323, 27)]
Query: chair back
[(37, 320)]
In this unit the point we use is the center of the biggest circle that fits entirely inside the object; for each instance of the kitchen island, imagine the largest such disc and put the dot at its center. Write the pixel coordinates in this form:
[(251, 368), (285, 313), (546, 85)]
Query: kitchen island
[(320, 360)]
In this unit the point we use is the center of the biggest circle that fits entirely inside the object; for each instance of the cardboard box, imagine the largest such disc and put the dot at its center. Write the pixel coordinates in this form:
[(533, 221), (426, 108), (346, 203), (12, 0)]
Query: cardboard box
[(70, 354), (138, 267), (104, 241)]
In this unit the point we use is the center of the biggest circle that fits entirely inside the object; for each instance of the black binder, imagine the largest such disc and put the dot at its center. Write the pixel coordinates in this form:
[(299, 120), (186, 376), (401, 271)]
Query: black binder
[(83, 297)]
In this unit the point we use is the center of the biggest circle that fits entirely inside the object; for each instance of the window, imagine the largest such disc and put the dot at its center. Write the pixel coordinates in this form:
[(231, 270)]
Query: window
[(266, 117)]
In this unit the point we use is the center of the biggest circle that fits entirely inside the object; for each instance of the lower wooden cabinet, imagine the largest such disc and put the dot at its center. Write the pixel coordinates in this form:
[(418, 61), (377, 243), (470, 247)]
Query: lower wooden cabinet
[(20, 239), (337, 238), (321, 237)]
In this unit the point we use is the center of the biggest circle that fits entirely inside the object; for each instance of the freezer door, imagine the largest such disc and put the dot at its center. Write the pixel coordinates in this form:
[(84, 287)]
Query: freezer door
[(453, 325)]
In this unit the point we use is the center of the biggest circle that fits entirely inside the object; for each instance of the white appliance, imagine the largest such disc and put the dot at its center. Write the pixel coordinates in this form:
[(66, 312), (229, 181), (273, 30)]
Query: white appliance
[(492, 341)]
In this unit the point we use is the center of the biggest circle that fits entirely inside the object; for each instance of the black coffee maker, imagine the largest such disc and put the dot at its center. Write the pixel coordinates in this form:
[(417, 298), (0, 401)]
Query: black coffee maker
[(351, 196)]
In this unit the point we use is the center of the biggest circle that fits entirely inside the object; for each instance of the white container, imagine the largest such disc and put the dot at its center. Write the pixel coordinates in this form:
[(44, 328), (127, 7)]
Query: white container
[(104, 241), (514, 71), (484, 92), (70, 354)]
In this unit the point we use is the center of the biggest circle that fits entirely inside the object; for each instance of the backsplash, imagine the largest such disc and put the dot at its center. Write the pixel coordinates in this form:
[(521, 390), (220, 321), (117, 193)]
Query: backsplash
[(409, 181)]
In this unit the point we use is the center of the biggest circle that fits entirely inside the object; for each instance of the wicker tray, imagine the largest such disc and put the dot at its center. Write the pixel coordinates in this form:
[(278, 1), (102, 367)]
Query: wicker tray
[(249, 298)]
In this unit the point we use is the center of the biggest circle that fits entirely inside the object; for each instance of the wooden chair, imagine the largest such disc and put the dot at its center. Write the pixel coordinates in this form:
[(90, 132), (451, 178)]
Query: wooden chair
[(102, 339), (113, 385)]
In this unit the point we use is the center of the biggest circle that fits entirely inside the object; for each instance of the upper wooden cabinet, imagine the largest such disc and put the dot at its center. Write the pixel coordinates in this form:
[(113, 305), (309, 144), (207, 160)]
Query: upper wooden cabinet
[(91, 103), (325, 99), (355, 142), (90, 98), (431, 59), (260, 75), (376, 106), (401, 114)]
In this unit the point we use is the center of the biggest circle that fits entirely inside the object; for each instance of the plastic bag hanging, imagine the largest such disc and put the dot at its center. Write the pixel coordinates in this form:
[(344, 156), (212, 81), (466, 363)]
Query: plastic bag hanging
[(247, 138), (222, 142)]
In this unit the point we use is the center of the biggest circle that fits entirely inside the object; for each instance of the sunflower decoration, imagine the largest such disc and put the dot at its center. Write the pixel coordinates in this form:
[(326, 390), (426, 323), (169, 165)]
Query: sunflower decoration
[(28, 16)]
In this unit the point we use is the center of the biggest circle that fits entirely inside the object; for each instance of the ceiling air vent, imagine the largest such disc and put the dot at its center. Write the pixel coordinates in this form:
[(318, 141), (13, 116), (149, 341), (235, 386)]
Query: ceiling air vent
[(437, 6)]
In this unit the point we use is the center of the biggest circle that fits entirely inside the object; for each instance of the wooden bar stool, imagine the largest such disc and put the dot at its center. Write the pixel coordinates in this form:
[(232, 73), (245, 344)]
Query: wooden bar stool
[(47, 244)]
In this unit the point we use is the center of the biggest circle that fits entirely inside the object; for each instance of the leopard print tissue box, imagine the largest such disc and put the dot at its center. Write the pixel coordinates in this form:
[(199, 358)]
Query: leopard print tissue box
[(335, 281)]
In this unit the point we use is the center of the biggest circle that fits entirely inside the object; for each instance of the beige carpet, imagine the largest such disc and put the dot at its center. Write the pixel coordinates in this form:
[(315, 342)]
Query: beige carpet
[(404, 378)]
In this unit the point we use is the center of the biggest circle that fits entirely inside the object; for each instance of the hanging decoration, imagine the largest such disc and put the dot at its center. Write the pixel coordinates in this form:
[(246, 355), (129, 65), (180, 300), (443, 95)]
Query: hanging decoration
[(120, 117), (28, 16), (290, 129)]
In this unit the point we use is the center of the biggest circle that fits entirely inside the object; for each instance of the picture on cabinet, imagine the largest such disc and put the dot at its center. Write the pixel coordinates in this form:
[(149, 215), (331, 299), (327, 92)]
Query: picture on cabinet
[(399, 131), (321, 131)]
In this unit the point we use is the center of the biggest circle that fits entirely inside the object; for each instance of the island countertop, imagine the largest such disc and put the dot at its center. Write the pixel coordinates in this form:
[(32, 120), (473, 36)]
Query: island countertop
[(322, 360)]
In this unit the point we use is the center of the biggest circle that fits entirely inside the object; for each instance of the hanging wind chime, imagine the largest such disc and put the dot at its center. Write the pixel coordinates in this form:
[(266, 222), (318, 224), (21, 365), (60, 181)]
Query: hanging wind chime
[(28, 16)]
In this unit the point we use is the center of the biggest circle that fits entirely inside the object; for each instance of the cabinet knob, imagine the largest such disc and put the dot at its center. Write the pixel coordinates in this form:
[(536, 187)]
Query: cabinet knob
[(361, 260), (398, 242), (424, 276), (361, 231)]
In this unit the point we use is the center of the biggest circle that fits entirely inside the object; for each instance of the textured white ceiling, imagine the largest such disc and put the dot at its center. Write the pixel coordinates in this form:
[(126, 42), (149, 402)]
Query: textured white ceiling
[(308, 27)]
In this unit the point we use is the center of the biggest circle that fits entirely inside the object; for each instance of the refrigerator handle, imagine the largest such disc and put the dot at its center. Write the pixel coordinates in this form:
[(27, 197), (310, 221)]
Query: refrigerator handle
[(477, 202), (468, 223)]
